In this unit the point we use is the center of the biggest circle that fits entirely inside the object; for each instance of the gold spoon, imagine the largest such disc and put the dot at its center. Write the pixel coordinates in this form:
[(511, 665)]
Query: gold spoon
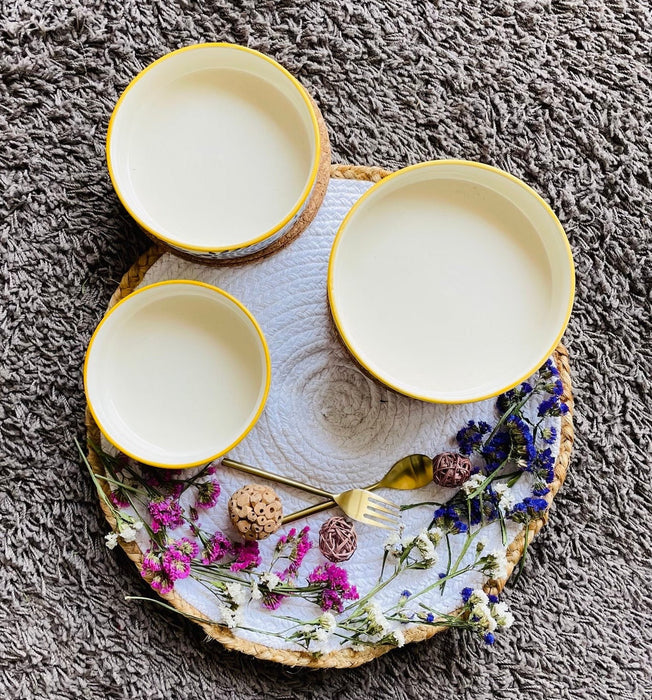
[(411, 472)]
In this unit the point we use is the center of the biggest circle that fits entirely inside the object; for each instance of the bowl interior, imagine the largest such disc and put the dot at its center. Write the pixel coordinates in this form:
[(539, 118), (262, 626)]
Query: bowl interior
[(451, 281), (213, 147), (176, 374)]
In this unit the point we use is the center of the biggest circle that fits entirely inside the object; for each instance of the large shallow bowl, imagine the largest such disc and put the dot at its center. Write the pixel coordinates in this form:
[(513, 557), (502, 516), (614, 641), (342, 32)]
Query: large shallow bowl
[(451, 281), (214, 150), (176, 374)]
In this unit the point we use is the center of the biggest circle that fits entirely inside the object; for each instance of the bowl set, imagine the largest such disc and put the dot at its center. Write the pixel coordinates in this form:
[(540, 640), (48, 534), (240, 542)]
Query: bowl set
[(449, 281)]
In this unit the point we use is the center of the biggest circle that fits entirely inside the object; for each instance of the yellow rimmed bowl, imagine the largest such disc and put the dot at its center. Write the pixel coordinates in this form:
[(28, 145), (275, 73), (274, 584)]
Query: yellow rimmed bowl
[(451, 281), (177, 373), (214, 150)]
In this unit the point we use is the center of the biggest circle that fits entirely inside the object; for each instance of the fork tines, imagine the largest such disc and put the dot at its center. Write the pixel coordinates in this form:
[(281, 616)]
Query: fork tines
[(381, 513)]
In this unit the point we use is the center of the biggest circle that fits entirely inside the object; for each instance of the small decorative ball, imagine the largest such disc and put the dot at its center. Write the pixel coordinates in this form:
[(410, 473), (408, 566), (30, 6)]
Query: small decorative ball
[(255, 511), (337, 539), (450, 469)]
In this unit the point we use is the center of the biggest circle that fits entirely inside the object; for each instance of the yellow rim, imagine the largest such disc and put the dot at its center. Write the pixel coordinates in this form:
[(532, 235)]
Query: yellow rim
[(381, 184), (263, 400), (305, 194)]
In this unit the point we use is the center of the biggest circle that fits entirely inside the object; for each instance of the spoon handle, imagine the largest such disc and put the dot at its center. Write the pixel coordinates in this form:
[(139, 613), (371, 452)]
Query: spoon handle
[(270, 476)]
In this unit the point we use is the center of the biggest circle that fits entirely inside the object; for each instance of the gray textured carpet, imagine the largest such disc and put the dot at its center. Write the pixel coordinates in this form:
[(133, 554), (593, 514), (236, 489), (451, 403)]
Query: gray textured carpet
[(559, 93)]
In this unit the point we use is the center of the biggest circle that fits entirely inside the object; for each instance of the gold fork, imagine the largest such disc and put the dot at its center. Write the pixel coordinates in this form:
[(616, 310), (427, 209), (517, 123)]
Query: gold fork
[(358, 504)]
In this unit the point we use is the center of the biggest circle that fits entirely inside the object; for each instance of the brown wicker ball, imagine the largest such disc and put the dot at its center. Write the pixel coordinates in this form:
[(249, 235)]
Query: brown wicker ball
[(337, 539), (450, 469), (255, 511)]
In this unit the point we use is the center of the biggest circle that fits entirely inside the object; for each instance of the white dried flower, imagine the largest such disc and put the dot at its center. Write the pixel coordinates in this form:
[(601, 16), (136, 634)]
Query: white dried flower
[(473, 483), (231, 618), (484, 617), (111, 540), (497, 564), (328, 621), (398, 638), (426, 548), (377, 624), (478, 596), (255, 592), (501, 614), (271, 580), (395, 542), (127, 532), (506, 500), (237, 592)]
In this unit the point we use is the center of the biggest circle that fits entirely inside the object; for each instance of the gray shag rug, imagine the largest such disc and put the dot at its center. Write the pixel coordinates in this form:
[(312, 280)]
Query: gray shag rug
[(558, 93)]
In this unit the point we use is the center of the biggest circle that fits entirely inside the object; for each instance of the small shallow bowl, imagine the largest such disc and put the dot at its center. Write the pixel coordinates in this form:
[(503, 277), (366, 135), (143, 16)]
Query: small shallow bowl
[(176, 374), (214, 150), (451, 281)]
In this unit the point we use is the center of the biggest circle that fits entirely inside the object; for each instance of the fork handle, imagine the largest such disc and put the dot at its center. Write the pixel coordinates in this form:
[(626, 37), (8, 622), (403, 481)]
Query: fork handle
[(317, 508), (305, 512), (270, 476)]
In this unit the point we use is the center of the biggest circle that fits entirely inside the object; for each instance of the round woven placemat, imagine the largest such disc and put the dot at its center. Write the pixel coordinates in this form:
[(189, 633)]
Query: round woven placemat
[(344, 658)]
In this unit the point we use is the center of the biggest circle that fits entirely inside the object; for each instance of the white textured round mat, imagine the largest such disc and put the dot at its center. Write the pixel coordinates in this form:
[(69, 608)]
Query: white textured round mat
[(325, 421)]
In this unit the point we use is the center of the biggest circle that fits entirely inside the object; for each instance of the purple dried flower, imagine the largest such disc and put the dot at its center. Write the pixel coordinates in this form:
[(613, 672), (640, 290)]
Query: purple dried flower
[(247, 556), (184, 548), (119, 498), (336, 587), (207, 494), (272, 601), (165, 513), (217, 547)]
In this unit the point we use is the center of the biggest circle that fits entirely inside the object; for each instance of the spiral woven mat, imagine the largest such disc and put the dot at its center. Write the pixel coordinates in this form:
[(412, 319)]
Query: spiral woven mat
[(345, 658)]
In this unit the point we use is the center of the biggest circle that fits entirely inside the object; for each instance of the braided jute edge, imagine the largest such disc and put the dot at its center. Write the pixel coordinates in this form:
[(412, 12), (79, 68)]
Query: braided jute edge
[(344, 658)]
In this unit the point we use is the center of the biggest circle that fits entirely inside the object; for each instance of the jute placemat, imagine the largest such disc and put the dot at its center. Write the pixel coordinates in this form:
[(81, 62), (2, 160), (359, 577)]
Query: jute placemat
[(345, 658)]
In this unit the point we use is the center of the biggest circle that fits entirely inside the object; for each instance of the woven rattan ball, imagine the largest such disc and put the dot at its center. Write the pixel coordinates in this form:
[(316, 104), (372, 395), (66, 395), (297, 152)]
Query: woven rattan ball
[(450, 469), (337, 539), (255, 511)]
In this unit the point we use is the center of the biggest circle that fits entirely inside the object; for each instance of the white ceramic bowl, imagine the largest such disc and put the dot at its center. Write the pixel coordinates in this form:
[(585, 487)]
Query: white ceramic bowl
[(214, 150), (176, 374), (451, 281)]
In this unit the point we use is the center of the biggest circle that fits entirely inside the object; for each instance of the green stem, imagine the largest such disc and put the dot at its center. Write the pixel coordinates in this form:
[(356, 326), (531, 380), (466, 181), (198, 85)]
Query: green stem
[(487, 481), (408, 506)]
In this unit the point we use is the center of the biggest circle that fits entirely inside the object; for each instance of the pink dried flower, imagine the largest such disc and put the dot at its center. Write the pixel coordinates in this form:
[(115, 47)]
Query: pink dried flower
[(185, 548), (211, 470), (216, 548), (336, 587), (118, 498), (151, 564), (162, 583), (165, 513), (177, 489), (247, 556), (174, 566), (207, 494), (272, 601)]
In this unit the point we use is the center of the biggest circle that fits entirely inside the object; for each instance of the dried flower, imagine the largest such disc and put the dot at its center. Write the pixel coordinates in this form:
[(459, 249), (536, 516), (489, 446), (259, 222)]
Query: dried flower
[(207, 494), (470, 436), (165, 513), (111, 540), (247, 556), (335, 586), (217, 547), (119, 498)]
